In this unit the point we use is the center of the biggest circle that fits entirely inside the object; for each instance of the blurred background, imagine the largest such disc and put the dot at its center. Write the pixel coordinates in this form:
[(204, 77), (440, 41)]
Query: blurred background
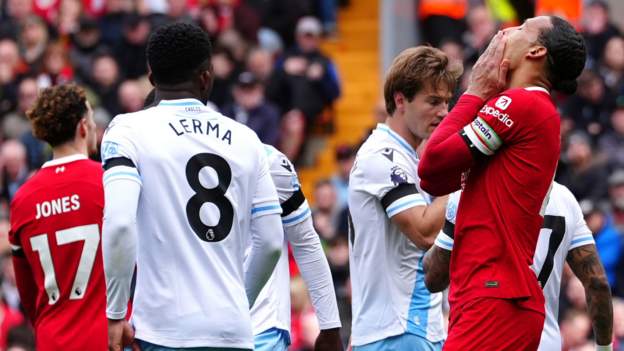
[(307, 76)]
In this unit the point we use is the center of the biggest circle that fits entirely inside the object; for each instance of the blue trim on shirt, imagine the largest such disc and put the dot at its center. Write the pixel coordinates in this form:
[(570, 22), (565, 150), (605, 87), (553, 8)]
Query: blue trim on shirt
[(418, 313), (265, 208), (583, 238), (397, 137), (111, 175), (391, 211), (297, 217), (444, 242), (191, 102)]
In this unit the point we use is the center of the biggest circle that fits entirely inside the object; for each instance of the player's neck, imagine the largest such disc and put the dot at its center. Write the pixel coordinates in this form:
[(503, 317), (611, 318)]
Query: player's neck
[(527, 76), (69, 149), (175, 94), (397, 124)]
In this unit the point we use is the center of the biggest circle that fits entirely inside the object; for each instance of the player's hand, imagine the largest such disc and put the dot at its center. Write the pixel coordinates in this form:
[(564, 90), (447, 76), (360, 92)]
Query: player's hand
[(489, 74), (328, 340), (120, 335)]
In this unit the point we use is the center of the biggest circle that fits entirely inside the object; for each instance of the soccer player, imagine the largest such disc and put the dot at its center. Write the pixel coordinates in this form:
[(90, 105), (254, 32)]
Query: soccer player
[(392, 222), (186, 191), (56, 221), (564, 236), (506, 159), (271, 312)]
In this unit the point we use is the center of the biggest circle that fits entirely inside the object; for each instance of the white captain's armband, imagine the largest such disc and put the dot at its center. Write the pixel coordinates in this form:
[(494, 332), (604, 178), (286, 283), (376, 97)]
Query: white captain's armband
[(482, 136)]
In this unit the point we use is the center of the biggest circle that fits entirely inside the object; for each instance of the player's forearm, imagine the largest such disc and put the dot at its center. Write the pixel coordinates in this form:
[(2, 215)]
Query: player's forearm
[(436, 266), (315, 271), (267, 238), (26, 286), (119, 237), (447, 155), (427, 226), (586, 266)]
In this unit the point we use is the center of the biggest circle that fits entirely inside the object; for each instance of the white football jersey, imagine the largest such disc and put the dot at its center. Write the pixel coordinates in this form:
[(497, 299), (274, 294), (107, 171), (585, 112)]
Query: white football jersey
[(389, 296), (204, 178), (564, 229), (272, 307)]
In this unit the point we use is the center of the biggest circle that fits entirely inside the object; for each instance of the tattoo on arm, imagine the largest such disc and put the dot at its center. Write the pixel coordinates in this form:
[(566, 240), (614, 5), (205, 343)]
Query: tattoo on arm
[(436, 265), (586, 266)]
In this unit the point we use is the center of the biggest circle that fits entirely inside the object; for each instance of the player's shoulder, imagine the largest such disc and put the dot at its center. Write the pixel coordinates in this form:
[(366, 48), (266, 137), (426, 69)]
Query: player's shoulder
[(278, 162), (561, 200)]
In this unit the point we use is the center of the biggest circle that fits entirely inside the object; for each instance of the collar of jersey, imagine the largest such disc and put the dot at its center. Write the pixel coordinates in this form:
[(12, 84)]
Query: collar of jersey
[(66, 159), (399, 139), (181, 103), (535, 88)]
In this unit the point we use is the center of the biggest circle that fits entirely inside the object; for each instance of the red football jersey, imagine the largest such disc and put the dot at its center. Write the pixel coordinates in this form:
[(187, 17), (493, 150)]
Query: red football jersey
[(56, 225), (501, 208)]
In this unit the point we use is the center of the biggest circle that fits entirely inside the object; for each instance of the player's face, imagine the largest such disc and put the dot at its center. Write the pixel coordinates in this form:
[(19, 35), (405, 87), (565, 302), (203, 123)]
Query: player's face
[(426, 110), (91, 130), (522, 39)]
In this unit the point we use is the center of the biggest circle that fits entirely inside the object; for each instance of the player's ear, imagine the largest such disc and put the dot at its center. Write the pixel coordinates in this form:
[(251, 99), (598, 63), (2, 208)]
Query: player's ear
[(82, 127), (399, 101), (537, 52)]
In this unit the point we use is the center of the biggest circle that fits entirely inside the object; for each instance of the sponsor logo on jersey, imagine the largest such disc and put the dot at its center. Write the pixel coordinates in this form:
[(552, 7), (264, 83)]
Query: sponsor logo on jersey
[(503, 117), (503, 102), (398, 175)]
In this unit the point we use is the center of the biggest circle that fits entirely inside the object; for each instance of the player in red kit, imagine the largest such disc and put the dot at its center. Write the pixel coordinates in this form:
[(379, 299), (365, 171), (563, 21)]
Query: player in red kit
[(56, 225), (503, 148)]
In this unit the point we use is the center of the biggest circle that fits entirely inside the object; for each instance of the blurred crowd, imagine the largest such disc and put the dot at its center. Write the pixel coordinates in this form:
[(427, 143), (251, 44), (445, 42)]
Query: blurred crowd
[(271, 75)]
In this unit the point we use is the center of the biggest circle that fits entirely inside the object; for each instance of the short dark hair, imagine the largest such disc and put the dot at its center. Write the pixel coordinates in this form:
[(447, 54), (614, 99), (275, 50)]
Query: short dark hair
[(416, 68), (566, 54), (56, 113), (176, 51)]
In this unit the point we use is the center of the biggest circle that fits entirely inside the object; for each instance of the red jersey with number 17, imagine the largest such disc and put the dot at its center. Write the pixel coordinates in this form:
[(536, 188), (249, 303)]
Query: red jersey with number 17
[(501, 208), (56, 225)]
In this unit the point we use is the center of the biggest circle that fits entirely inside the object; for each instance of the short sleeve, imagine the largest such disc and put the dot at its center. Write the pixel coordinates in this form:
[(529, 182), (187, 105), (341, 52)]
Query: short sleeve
[(498, 122), (118, 142), (295, 208), (579, 231), (445, 238), (389, 176), (265, 200)]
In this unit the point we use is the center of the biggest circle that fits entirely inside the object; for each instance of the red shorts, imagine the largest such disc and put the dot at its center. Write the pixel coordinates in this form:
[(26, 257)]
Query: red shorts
[(494, 324)]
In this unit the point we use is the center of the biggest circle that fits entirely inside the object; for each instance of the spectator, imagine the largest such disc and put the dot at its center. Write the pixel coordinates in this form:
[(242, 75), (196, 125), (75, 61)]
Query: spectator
[(442, 20), (14, 168), (131, 96), (15, 124), (17, 11), (56, 68), (618, 324), (105, 82), (306, 79), (325, 212), (251, 109), (282, 16), (345, 156), (85, 44), (33, 41), (597, 29), (260, 62), (616, 198), (111, 23), (575, 328), (130, 52), (585, 176), (225, 73), (481, 29), (612, 67), (592, 105), (67, 20), (611, 143), (608, 239), (21, 338)]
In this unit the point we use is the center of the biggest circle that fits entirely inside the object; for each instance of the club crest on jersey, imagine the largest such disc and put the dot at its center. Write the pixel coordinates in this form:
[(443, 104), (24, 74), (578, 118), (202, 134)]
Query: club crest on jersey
[(503, 102), (109, 150), (398, 175)]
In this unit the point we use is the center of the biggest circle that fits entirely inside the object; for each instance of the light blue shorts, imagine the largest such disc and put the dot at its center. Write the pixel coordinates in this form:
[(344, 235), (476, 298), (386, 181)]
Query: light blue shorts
[(403, 342), (273, 339), (146, 346)]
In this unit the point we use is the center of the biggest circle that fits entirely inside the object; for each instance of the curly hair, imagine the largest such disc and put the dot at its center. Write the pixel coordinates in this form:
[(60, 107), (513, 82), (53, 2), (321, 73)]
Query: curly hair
[(417, 68), (176, 51), (56, 113)]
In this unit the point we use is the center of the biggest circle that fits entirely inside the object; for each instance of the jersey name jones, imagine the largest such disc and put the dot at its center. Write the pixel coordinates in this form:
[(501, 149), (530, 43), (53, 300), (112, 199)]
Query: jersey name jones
[(57, 206)]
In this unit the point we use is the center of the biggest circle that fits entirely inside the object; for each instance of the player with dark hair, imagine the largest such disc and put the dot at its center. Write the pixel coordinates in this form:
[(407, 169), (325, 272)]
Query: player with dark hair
[(194, 188), (505, 160), (56, 220)]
